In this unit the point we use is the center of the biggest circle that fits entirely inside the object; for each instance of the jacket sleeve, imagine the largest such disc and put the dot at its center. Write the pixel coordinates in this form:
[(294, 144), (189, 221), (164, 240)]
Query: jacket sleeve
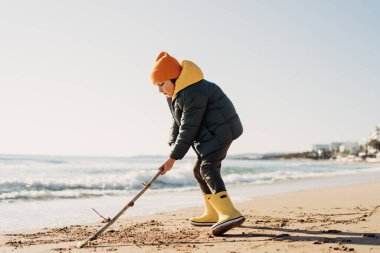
[(174, 130), (194, 107)]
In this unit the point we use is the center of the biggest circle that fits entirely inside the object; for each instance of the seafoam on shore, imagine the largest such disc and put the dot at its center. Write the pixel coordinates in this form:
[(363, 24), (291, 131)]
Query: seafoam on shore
[(330, 219), (67, 188)]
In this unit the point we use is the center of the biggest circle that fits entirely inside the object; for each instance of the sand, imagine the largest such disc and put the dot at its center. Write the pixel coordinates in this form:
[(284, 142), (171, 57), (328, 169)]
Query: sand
[(334, 219)]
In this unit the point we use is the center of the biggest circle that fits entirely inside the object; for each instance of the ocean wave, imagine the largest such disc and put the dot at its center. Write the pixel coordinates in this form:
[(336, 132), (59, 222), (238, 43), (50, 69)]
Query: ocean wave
[(45, 194), (98, 177), (78, 186)]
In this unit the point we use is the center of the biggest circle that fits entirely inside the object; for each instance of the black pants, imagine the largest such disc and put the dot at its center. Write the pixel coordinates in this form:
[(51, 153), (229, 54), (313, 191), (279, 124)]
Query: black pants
[(207, 171)]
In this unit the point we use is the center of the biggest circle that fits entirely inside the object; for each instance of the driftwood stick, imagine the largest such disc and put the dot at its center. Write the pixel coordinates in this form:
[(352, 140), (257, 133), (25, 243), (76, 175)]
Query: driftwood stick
[(130, 204)]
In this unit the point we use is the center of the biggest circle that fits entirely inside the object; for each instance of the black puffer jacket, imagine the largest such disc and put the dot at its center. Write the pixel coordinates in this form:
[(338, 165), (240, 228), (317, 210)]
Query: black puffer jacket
[(204, 117)]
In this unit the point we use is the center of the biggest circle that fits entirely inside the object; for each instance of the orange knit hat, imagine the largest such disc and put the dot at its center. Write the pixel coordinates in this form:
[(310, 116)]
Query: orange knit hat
[(165, 68)]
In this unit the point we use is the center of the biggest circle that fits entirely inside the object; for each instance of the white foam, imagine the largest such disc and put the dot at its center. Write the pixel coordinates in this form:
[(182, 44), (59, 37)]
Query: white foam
[(39, 178)]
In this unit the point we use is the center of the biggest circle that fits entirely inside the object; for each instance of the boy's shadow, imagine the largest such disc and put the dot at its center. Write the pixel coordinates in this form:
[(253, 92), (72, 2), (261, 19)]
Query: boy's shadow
[(317, 236)]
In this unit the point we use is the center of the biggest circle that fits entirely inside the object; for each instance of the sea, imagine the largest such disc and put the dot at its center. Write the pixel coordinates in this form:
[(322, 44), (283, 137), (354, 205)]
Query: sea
[(50, 191)]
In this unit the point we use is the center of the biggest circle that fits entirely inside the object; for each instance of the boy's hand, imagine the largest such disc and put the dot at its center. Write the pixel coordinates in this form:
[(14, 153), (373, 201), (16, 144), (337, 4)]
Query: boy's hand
[(166, 166)]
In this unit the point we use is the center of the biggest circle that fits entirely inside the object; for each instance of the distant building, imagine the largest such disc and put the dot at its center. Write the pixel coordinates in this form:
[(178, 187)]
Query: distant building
[(350, 148), (321, 147), (335, 146)]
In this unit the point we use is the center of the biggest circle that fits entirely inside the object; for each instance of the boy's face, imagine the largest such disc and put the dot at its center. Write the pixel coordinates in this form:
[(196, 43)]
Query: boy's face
[(166, 88)]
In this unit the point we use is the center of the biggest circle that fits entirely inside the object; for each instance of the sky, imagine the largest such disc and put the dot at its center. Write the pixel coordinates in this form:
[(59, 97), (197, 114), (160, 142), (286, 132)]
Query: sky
[(74, 74)]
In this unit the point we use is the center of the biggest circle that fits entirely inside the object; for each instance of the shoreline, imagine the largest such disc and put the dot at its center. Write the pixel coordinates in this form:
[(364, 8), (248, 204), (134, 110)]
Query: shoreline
[(328, 219), (79, 211)]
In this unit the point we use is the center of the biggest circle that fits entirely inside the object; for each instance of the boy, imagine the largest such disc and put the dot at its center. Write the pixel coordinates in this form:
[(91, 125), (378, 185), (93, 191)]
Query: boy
[(205, 119)]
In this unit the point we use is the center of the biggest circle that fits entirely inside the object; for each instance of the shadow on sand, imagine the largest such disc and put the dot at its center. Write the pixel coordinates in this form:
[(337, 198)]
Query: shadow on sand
[(317, 236)]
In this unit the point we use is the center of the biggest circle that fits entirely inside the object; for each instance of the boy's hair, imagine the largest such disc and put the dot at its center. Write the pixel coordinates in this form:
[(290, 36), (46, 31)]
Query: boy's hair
[(173, 80)]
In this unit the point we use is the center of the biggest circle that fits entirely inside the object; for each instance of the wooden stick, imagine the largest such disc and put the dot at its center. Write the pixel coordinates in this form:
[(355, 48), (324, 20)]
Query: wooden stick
[(130, 204)]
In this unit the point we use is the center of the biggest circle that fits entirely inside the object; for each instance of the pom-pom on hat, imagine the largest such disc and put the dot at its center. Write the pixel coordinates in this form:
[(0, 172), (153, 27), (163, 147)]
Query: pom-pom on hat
[(165, 68)]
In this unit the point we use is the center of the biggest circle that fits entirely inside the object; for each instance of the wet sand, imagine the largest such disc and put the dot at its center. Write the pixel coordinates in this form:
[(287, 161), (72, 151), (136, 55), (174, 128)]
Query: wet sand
[(334, 219)]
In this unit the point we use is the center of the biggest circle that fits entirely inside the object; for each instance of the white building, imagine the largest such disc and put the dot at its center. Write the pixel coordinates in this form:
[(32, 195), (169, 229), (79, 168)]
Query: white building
[(350, 148), (334, 146), (322, 147)]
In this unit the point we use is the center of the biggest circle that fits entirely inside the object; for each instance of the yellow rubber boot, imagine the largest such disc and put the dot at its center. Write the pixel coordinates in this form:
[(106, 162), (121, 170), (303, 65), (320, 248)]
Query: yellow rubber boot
[(229, 217), (209, 217)]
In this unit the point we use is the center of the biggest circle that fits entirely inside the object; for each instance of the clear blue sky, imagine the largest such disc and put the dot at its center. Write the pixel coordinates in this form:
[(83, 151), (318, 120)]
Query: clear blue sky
[(74, 75)]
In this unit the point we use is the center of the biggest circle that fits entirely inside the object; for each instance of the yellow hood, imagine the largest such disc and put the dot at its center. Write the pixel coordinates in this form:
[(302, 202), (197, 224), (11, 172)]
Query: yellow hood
[(190, 74)]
